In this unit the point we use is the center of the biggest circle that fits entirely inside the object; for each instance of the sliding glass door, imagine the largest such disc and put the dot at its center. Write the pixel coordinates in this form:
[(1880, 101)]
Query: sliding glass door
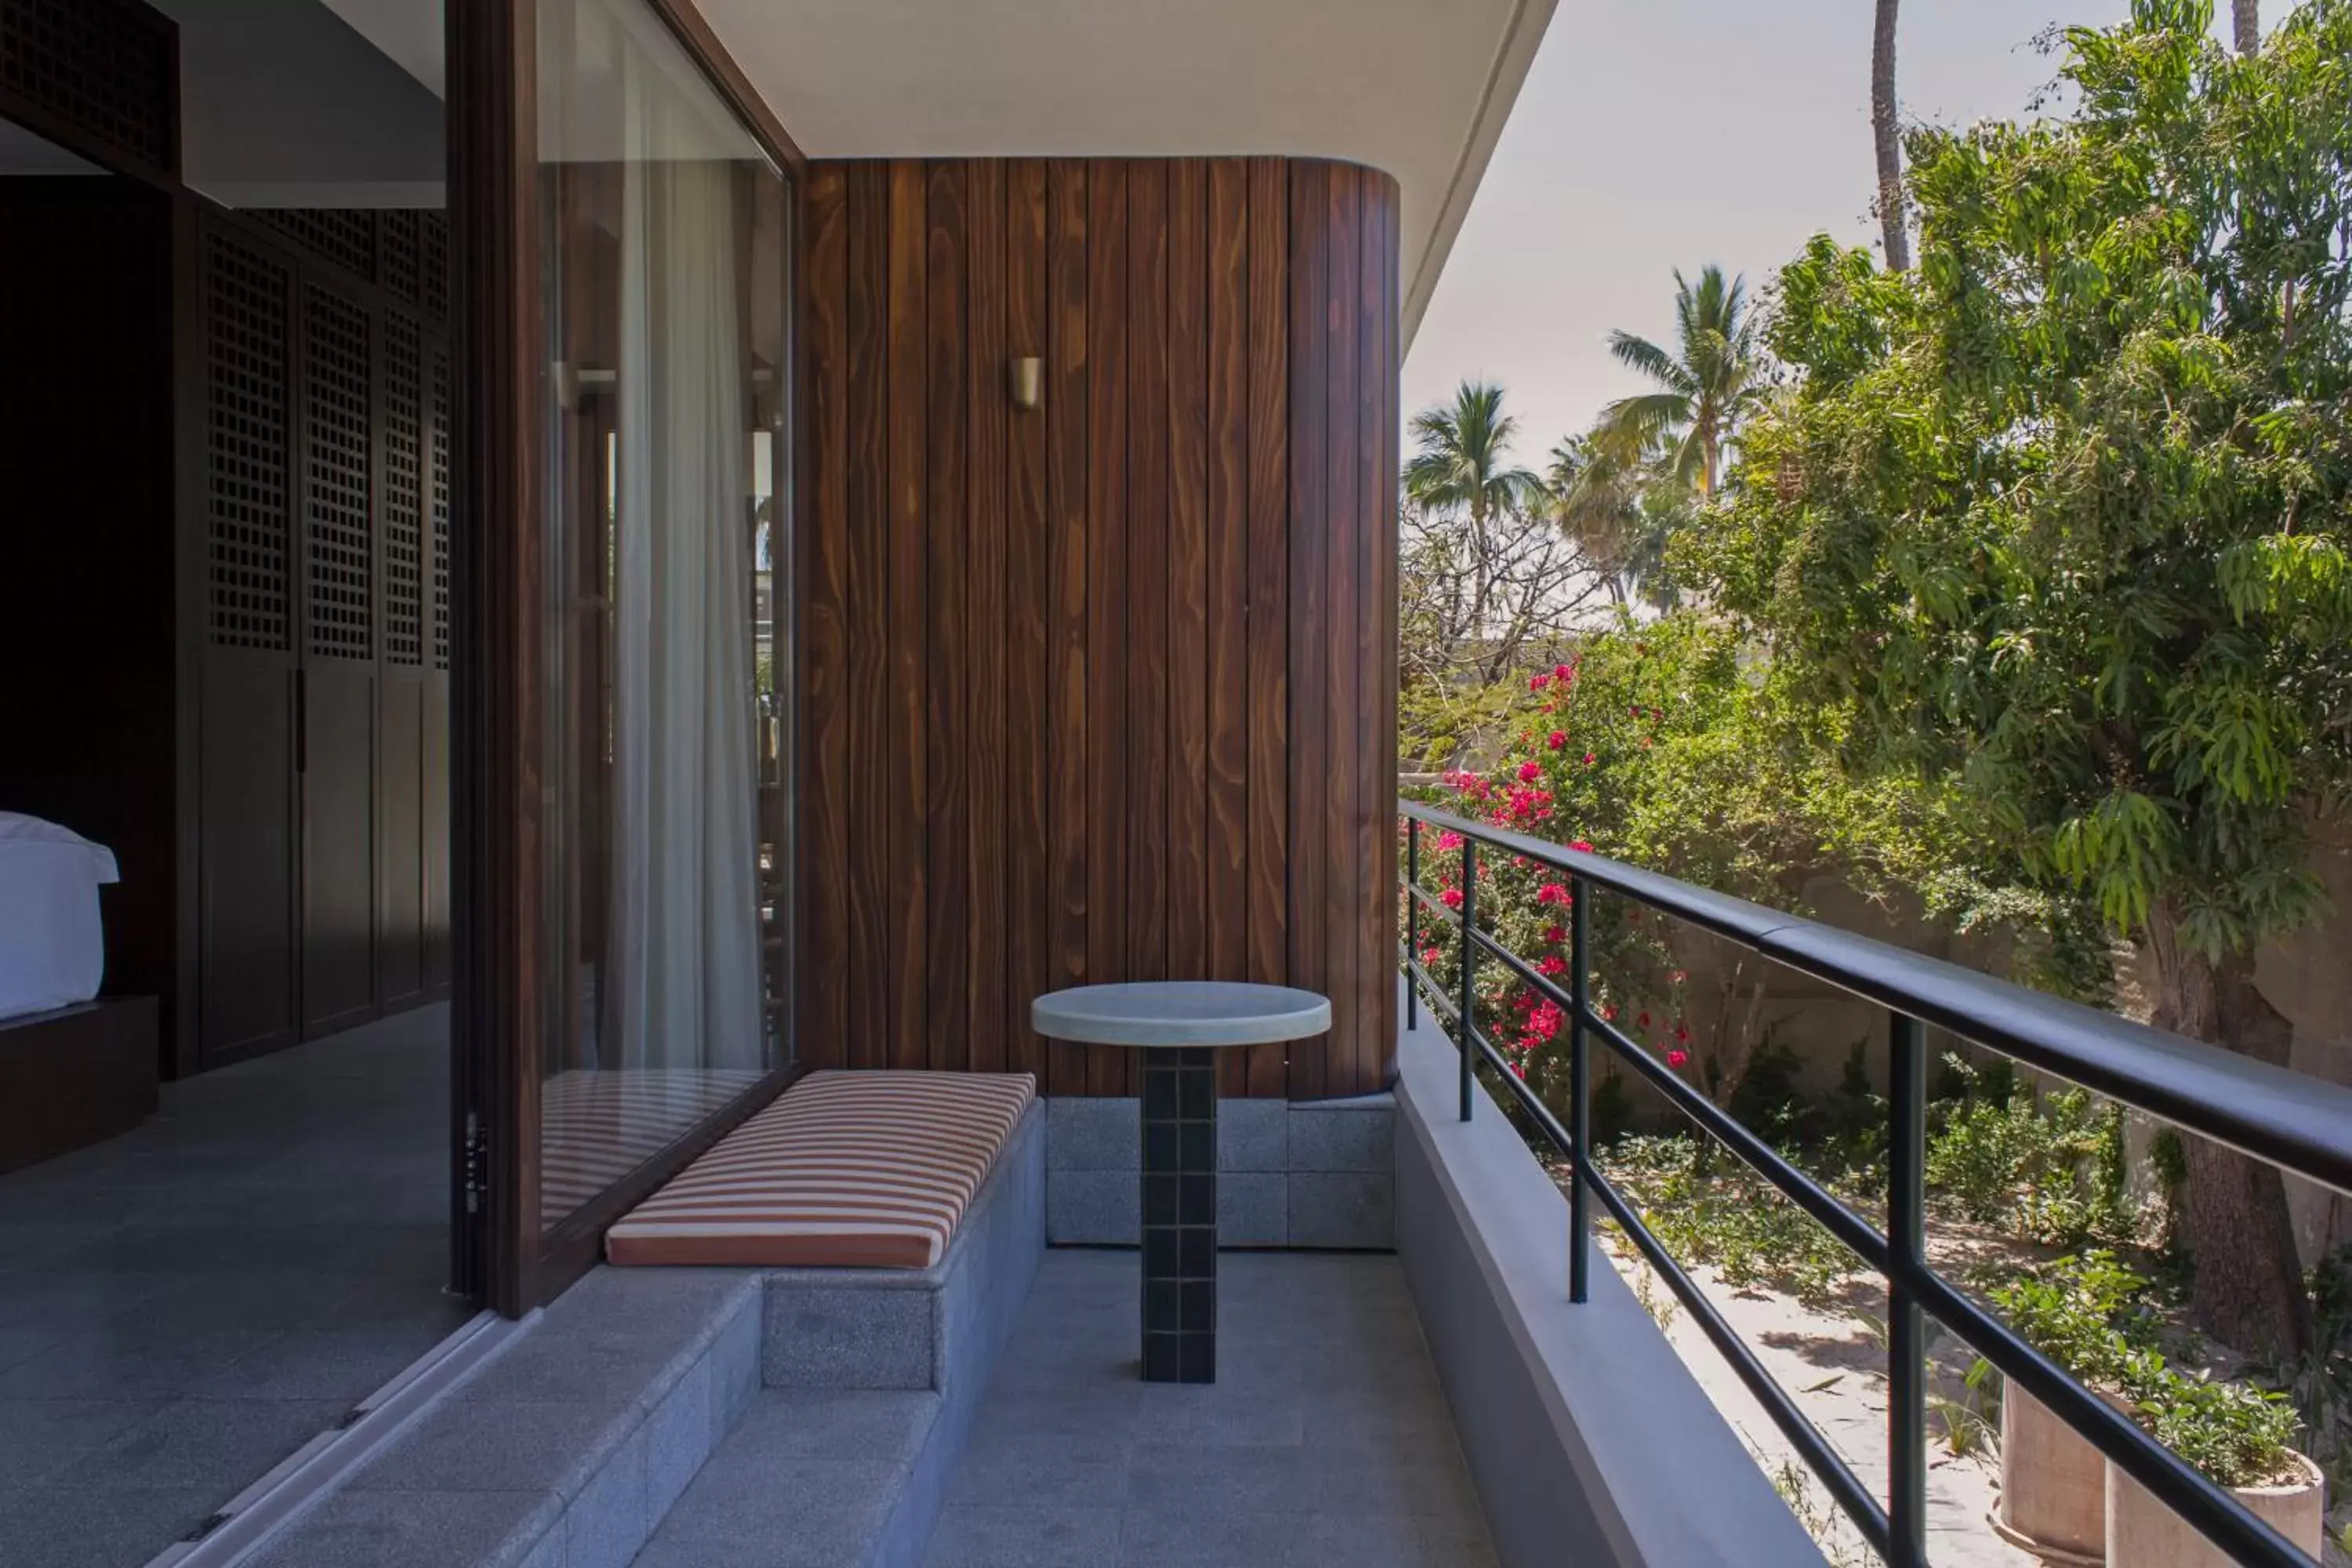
[(633, 808)]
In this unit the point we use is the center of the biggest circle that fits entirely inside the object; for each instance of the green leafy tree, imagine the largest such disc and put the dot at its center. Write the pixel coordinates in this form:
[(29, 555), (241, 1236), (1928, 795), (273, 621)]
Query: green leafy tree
[(1462, 466), (1710, 381), (2066, 514)]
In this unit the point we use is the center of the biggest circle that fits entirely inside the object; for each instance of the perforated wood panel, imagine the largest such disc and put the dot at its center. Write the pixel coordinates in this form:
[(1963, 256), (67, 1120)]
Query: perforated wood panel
[(347, 238), (102, 68), (436, 467), (335, 350), (403, 491), (399, 253), (246, 308)]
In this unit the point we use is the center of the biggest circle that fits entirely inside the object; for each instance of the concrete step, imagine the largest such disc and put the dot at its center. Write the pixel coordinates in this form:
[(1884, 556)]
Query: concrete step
[(815, 1478)]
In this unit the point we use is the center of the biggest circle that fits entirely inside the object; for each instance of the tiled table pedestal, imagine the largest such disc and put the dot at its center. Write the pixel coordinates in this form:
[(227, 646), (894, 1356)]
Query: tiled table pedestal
[(1181, 1024)]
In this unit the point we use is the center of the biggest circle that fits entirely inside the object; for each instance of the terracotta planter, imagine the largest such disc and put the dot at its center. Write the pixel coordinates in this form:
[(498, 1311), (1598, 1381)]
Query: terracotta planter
[(2053, 1484), (2144, 1533)]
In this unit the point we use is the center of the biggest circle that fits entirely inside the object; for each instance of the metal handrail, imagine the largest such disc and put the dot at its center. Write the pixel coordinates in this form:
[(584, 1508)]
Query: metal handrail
[(2293, 1121)]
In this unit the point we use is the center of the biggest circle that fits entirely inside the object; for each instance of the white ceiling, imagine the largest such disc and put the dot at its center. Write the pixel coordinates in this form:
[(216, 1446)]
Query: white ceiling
[(1417, 87)]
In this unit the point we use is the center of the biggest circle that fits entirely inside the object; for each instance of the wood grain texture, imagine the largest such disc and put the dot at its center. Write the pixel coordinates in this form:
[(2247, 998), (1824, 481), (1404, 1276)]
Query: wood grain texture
[(1107, 608), (905, 797), (1188, 570), (986, 658), (1147, 768), (866, 489), (823, 652), (1028, 865), (1268, 654), (1066, 425), (945, 679), (1103, 689)]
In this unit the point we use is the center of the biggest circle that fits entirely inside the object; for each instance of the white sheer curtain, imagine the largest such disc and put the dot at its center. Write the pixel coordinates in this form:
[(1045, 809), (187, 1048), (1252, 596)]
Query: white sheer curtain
[(683, 978)]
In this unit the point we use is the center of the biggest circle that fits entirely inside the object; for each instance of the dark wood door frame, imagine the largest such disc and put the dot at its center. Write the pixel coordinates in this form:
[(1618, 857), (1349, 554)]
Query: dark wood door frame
[(501, 841)]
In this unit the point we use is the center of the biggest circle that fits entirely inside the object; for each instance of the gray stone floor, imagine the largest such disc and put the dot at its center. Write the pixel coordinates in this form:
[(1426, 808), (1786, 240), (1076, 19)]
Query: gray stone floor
[(183, 1307), (1325, 1440)]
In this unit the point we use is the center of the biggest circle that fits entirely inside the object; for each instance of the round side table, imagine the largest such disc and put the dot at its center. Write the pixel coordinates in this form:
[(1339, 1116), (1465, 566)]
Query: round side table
[(1182, 1024)]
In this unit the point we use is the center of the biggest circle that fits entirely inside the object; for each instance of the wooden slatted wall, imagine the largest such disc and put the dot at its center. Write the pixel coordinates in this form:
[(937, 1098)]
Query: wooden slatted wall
[(1104, 691)]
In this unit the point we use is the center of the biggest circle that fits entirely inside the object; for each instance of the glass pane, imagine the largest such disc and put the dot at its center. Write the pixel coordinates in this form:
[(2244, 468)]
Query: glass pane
[(665, 769)]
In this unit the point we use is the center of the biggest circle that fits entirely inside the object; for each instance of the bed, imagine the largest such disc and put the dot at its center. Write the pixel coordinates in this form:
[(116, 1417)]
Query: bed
[(73, 1068)]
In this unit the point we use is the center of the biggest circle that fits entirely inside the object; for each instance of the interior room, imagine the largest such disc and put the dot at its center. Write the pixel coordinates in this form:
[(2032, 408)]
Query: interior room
[(231, 1168)]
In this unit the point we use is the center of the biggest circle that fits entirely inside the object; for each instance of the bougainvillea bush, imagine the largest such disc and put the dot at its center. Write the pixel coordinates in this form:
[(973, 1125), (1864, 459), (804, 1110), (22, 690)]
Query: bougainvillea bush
[(1668, 745)]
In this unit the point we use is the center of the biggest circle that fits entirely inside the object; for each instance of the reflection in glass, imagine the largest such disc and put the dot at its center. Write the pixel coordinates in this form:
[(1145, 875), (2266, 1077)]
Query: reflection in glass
[(664, 239)]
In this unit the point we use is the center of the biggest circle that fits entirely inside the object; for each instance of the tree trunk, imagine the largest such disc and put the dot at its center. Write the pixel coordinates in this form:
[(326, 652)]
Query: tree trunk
[(1889, 140), (2246, 19), (2248, 1293)]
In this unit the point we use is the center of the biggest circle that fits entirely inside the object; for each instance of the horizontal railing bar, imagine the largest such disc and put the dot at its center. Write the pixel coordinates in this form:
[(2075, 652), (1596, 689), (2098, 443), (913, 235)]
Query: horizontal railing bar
[(2270, 1112), (1857, 1235), (1435, 993), (2205, 1506), (1435, 905)]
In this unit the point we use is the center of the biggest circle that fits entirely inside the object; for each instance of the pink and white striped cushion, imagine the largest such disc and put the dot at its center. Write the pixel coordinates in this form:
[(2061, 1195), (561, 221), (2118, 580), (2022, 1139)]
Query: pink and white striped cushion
[(846, 1170)]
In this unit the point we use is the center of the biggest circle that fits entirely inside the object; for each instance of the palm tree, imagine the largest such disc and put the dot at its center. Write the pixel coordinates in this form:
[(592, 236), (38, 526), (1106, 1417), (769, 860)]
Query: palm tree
[(2246, 22), (1890, 143), (1596, 497), (1461, 464), (1706, 387)]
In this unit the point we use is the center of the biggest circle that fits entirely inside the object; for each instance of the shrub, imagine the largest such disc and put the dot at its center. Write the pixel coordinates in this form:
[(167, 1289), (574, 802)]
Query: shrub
[(2235, 1434), (1727, 1216), (2084, 1313), (2046, 1167)]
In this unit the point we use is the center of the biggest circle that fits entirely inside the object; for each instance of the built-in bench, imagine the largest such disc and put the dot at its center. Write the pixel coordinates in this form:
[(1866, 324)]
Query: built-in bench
[(709, 1415)]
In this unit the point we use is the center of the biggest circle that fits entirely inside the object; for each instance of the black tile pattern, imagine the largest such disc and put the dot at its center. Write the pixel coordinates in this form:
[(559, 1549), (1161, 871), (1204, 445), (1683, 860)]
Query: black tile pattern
[(1179, 1216)]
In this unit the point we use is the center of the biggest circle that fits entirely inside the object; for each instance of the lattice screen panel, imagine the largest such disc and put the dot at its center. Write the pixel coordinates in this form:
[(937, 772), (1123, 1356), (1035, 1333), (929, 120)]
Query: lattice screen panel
[(247, 305), (403, 491), (433, 231), (399, 253), (335, 347), (346, 238), (437, 489), (102, 68)]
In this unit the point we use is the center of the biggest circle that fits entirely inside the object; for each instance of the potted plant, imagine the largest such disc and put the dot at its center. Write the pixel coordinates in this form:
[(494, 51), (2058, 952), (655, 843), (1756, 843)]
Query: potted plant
[(2235, 1435), (2082, 1312)]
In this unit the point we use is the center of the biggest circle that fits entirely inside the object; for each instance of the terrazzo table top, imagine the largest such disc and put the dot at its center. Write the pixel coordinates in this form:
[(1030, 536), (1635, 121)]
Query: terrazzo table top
[(1179, 1013)]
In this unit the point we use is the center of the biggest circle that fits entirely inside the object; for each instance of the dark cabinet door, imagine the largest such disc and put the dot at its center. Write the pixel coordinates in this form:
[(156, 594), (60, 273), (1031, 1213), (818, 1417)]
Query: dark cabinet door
[(338, 783), (400, 817), (246, 920)]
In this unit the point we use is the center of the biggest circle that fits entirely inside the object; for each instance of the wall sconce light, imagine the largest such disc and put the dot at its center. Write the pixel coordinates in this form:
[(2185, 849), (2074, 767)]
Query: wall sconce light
[(1028, 384)]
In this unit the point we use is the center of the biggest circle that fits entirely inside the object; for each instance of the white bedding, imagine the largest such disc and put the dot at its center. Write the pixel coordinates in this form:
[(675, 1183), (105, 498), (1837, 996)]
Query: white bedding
[(52, 948)]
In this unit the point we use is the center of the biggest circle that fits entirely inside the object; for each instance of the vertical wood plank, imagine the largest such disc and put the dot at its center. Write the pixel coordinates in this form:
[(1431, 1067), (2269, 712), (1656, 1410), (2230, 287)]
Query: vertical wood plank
[(944, 674), (906, 796), (1374, 765), (1147, 715), (1188, 570), (1225, 565), (986, 628), (823, 652), (1343, 533), (865, 492), (1107, 800), (1385, 920), (1068, 745), (1268, 611), (1310, 589), (1028, 865)]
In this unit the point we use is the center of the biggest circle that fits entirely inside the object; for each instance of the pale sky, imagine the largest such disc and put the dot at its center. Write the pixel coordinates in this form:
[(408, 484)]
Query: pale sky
[(1653, 134)]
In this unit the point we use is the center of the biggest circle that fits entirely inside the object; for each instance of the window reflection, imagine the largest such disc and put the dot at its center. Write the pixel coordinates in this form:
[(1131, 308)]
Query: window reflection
[(665, 773)]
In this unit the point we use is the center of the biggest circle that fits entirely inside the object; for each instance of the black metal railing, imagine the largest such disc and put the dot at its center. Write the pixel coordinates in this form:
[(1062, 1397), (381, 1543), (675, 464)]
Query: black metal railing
[(2293, 1121)]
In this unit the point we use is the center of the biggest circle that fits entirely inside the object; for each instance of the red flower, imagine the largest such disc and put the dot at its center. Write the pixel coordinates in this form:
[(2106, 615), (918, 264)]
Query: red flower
[(1581, 845), (1558, 739), (1679, 975), (1429, 955), (1682, 1031), (1538, 682), (1530, 771), (1609, 1014), (1554, 934), (1676, 1058), (1553, 893), (1552, 963), (1453, 897), (1643, 1021), (1588, 759), (1564, 672)]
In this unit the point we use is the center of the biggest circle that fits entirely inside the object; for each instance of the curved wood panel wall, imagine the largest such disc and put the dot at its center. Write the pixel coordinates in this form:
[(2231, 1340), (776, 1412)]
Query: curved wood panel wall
[(1104, 689)]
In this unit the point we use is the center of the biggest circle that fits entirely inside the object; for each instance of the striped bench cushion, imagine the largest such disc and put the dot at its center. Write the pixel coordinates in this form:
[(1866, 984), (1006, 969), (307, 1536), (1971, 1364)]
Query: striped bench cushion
[(867, 1170)]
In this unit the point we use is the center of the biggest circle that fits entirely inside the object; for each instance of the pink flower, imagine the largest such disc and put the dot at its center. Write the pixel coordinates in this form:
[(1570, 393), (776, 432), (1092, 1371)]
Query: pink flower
[(1453, 897), (1538, 682), (1582, 846), (1554, 934), (1609, 1014), (1682, 1031), (1552, 893), (1552, 963), (1643, 1021), (1564, 672), (1588, 759), (1679, 975), (1530, 771), (1558, 740), (1449, 839), (1429, 955), (1676, 1058)]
